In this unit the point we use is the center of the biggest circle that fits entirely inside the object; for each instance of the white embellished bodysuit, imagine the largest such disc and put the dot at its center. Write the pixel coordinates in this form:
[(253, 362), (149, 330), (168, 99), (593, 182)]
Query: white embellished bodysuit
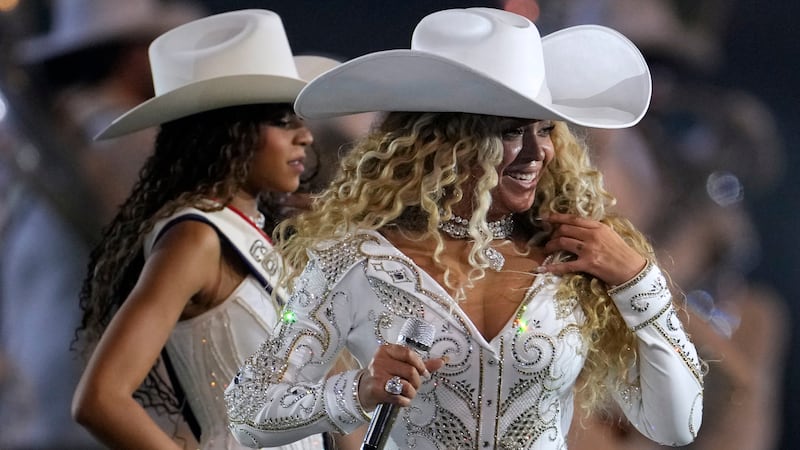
[(513, 392), (207, 350)]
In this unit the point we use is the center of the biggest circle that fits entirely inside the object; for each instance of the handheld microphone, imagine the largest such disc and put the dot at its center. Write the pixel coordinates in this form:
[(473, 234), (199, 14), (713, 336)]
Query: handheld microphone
[(415, 334)]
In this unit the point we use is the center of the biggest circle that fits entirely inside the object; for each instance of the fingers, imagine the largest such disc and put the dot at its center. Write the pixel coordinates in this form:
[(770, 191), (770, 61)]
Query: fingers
[(598, 250), (570, 219), (402, 361), (434, 364), (583, 231), (395, 374), (584, 243), (572, 233), (575, 246)]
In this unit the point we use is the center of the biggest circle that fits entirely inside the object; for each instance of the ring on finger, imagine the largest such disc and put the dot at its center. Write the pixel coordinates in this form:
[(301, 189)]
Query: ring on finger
[(394, 385)]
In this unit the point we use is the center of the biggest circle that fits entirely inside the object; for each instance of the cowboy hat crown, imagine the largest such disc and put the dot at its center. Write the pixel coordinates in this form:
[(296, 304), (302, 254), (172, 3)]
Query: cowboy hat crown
[(491, 61), (234, 58)]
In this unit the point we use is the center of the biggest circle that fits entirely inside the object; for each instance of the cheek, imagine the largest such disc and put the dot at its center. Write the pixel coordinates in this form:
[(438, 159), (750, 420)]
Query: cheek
[(265, 163), (263, 154), (549, 150), (272, 149), (511, 150)]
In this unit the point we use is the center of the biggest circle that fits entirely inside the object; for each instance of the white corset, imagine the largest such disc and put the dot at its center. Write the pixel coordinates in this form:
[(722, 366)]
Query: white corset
[(206, 352)]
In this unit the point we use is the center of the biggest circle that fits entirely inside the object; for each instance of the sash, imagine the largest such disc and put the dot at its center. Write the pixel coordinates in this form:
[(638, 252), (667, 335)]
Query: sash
[(250, 243), (254, 249)]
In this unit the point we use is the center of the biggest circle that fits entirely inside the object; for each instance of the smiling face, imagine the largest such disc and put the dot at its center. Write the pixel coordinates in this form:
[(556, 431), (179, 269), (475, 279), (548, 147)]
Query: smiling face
[(276, 166), (527, 149)]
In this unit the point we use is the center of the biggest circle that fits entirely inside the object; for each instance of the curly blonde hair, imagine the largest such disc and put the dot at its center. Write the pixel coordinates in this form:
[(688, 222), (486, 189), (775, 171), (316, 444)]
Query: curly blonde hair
[(409, 172)]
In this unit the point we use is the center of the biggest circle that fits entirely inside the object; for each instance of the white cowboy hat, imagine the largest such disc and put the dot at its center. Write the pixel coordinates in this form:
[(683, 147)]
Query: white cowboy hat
[(80, 24), (234, 58), (310, 66), (490, 61)]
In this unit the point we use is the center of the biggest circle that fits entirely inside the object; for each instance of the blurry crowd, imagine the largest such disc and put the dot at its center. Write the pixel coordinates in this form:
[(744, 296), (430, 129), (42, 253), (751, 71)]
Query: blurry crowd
[(683, 176), (64, 82)]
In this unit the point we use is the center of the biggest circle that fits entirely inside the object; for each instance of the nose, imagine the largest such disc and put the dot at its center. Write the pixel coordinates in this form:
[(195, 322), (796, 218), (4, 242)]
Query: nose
[(303, 136), (533, 147)]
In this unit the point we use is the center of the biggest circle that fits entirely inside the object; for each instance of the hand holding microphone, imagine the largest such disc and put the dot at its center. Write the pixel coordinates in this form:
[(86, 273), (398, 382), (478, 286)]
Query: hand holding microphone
[(415, 335)]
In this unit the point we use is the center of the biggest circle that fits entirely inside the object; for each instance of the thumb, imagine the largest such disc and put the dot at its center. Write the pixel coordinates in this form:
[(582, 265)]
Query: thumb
[(434, 364)]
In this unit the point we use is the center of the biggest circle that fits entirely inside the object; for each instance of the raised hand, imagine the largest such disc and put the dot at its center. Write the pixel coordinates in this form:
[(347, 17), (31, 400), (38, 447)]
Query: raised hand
[(598, 250)]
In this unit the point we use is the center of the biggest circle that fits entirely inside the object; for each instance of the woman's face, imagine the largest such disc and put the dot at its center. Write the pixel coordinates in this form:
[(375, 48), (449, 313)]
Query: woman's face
[(277, 164), (527, 149)]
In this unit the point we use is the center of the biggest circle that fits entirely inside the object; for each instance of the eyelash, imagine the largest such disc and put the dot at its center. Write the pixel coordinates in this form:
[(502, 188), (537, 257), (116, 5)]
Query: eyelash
[(516, 133), (546, 131), (286, 122)]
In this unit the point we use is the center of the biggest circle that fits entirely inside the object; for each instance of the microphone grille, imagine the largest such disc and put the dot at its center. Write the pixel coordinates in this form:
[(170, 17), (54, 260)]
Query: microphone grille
[(417, 332)]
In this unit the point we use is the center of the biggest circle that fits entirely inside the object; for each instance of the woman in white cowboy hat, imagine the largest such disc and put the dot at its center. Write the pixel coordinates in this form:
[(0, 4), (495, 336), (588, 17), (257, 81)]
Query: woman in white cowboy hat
[(184, 274), (473, 208)]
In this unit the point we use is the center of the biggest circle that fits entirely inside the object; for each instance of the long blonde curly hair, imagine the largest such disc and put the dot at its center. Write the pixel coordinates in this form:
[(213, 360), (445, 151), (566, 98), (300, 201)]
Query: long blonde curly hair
[(411, 169)]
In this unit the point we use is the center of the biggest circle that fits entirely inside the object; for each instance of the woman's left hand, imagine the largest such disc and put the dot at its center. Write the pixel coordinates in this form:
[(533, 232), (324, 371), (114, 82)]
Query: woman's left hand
[(599, 250)]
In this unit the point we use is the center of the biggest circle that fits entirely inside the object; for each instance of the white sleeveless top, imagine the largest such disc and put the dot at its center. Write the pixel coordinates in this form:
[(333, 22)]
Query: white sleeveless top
[(206, 352)]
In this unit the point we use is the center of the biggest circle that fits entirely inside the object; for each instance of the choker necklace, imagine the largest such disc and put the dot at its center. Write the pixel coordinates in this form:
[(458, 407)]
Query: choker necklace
[(457, 228)]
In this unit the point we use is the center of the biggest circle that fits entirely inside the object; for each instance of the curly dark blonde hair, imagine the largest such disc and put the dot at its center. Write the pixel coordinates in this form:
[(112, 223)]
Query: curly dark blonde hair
[(206, 155), (418, 165)]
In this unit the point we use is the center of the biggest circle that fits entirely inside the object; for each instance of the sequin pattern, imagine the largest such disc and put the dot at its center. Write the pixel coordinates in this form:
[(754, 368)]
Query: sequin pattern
[(269, 364), (513, 392)]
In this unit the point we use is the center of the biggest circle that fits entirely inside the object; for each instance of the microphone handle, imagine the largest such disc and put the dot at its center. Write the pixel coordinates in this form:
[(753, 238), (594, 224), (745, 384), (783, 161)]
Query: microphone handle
[(379, 426), (417, 335)]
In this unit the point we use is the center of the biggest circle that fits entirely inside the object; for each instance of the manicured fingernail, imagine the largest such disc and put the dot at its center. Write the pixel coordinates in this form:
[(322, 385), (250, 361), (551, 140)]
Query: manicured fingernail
[(426, 375), (540, 269)]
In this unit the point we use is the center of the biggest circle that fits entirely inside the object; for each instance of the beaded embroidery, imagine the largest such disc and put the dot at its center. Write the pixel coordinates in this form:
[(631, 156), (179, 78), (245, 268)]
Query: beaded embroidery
[(510, 393)]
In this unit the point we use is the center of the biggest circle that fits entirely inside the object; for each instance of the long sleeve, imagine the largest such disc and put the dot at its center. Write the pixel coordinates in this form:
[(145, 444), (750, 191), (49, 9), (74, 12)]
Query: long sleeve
[(664, 400), (281, 394)]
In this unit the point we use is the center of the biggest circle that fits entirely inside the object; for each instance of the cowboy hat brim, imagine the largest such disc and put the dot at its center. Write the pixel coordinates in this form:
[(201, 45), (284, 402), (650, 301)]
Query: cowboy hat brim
[(595, 77), (203, 96)]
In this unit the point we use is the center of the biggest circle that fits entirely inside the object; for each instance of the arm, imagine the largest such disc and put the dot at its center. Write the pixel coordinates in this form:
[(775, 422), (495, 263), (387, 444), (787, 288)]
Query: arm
[(184, 263), (281, 393), (665, 396), (664, 401)]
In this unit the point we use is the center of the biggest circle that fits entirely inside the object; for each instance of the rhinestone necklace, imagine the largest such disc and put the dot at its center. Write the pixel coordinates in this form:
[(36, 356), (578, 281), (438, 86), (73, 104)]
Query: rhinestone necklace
[(457, 228)]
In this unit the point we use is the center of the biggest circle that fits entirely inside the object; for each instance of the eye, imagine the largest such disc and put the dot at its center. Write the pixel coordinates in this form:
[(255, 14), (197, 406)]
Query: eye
[(545, 129), (288, 121), (514, 133)]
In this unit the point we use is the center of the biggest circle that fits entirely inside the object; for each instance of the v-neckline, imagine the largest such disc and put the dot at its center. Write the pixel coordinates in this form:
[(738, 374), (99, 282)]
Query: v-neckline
[(453, 307)]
